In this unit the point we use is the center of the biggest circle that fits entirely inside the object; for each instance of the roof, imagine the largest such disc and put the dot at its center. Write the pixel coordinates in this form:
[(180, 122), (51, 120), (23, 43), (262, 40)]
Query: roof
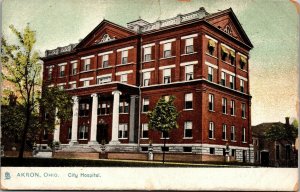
[(259, 130)]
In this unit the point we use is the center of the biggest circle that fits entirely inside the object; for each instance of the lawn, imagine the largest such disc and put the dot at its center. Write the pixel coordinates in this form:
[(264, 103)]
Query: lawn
[(53, 162)]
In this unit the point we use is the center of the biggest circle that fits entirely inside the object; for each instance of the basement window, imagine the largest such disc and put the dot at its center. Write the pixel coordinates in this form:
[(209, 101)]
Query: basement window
[(187, 149)]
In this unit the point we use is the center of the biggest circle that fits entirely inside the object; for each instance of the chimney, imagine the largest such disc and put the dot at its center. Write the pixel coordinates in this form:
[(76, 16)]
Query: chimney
[(287, 121)]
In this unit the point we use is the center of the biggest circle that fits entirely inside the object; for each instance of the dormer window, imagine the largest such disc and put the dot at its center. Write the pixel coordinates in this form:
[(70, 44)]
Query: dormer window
[(224, 53), (211, 46)]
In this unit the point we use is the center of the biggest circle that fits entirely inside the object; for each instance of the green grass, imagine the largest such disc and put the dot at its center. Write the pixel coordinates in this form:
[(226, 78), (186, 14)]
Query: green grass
[(47, 162)]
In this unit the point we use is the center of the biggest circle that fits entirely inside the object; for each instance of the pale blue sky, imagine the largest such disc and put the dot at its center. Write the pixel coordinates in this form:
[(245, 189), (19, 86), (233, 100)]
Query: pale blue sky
[(272, 26)]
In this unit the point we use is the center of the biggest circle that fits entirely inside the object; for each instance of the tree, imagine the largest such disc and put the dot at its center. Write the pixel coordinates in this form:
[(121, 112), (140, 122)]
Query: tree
[(164, 118), (22, 68), (282, 132)]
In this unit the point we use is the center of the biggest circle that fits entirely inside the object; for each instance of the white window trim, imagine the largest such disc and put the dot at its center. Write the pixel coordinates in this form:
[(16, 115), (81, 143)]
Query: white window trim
[(148, 45), (209, 37), (167, 41), (74, 61), (124, 72), (243, 78), (189, 36), (147, 70), (62, 64), (72, 82), (189, 63), (105, 53), (125, 49), (211, 65), (61, 84), (166, 67), (87, 57), (228, 72), (86, 79), (106, 75)]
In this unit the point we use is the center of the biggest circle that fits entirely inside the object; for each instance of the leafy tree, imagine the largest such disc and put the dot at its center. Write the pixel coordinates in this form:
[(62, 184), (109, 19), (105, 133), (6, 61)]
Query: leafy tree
[(282, 132), (22, 68), (164, 117)]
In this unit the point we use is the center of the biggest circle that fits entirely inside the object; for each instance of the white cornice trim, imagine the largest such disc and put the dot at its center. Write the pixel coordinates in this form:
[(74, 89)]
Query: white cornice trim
[(209, 37), (105, 53), (87, 57), (166, 67), (62, 64), (124, 72), (167, 41), (124, 49), (147, 70), (211, 65), (189, 63), (105, 75), (228, 72), (189, 36), (86, 79), (243, 78), (148, 45)]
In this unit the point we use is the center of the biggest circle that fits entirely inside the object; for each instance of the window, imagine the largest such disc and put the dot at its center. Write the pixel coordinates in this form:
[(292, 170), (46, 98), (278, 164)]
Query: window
[(123, 107), (105, 79), (232, 108), (145, 130), (243, 110), (104, 61), (288, 152), (144, 148), (123, 133), (83, 132), (242, 85), (188, 101), (45, 134), (74, 69), (211, 46), (123, 78), (69, 133), (224, 53), (232, 133), (146, 78), (243, 62), (165, 134), (87, 64), (211, 130), (86, 83), (210, 73), (212, 151), (231, 81), (104, 108), (62, 70), (244, 135), (188, 129), (189, 72), (145, 105), (224, 130), (125, 57), (165, 148), (84, 109), (277, 149), (73, 85), (224, 105), (211, 102), (189, 45), (167, 50), (223, 78), (167, 76), (50, 69), (147, 53), (187, 149), (232, 57), (233, 152)]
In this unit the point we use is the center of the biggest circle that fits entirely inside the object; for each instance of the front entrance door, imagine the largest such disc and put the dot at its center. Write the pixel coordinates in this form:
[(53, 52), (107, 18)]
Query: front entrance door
[(264, 158), (102, 135)]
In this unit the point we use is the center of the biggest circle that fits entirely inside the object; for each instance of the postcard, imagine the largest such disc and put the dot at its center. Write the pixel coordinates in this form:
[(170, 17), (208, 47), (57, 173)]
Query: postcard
[(150, 95)]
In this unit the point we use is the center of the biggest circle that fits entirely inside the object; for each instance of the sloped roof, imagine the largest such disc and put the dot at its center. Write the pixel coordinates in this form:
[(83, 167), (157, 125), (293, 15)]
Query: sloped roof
[(259, 130)]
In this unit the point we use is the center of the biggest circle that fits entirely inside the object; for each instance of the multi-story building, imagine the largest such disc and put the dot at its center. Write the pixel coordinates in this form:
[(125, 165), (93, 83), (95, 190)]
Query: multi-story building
[(117, 74)]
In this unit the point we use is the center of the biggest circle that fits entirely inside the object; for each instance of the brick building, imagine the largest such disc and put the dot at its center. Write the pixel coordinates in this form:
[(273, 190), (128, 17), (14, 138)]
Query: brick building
[(116, 74)]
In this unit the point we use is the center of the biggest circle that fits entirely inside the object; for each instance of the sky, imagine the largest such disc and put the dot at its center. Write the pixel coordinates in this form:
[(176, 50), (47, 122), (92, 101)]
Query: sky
[(271, 25)]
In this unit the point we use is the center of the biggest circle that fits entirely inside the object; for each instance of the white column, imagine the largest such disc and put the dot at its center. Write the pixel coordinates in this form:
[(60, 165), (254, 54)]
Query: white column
[(93, 134), (115, 118), (74, 121), (57, 127)]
